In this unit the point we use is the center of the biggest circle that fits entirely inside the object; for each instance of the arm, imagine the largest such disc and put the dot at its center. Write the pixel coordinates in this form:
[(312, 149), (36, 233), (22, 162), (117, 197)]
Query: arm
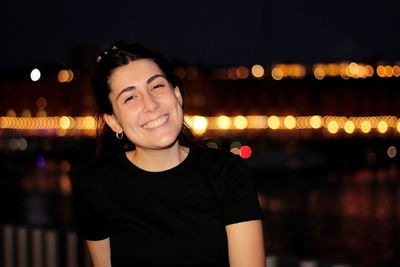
[(100, 252), (246, 244)]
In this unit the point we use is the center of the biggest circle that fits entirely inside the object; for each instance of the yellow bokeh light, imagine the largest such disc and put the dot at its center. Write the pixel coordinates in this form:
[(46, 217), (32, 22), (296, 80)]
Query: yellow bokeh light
[(319, 72), (35, 75), (260, 122), (316, 122), (382, 127), (289, 122), (398, 126), (380, 70), (396, 71), (388, 71), (349, 127), (277, 73), (65, 122), (274, 122), (240, 122), (62, 76), (366, 126), (333, 127), (223, 122), (188, 121), (369, 70), (89, 123), (257, 71), (199, 124), (354, 69), (299, 71)]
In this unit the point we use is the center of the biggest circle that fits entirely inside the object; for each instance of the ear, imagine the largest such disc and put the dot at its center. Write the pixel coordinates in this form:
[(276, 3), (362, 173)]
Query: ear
[(113, 123), (178, 95)]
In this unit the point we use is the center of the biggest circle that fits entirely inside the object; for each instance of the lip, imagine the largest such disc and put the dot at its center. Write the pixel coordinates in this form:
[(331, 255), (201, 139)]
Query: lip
[(155, 119)]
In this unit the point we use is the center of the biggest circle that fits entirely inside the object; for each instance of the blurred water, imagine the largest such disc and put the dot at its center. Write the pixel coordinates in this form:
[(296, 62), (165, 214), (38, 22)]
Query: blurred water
[(321, 200)]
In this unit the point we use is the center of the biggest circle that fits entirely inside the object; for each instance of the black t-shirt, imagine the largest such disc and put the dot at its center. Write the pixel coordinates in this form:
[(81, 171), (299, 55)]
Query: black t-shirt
[(175, 217)]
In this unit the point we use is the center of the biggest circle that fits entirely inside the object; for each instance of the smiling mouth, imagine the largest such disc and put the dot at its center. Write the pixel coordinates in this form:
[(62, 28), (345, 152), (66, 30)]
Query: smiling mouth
[(156, 123)]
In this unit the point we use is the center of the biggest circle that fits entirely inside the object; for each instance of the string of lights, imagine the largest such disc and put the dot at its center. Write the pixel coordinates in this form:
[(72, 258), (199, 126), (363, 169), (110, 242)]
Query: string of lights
[(278, 72), (66, 125)]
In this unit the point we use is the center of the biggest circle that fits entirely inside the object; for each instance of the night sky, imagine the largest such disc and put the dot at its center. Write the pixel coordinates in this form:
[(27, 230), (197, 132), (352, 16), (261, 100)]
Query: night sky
[(209, 32)]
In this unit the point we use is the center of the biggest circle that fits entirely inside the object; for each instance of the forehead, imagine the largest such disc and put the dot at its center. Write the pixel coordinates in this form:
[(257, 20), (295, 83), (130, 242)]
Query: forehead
[(133, 73)]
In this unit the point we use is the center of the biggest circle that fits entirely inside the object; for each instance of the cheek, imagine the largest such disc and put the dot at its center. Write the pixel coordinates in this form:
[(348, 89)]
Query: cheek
[(128, 116)]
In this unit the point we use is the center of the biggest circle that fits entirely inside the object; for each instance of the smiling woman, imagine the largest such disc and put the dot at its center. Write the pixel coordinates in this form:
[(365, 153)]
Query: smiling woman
[(155, 196)]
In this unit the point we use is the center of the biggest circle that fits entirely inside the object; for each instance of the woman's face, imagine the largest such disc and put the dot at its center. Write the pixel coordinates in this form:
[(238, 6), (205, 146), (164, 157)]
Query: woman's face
[(146, 107)]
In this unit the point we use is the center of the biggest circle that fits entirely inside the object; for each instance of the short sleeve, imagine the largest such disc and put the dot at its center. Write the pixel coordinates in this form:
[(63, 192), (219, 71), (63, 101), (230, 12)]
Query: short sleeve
[(240, 201), (90, 212)]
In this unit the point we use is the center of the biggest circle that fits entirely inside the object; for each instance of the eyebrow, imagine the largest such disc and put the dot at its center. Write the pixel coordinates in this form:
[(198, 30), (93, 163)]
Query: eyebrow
[(149, 80)]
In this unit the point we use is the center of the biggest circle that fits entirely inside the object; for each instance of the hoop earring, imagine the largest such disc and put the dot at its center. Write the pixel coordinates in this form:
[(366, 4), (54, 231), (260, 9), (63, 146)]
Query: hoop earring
[(119, 135)]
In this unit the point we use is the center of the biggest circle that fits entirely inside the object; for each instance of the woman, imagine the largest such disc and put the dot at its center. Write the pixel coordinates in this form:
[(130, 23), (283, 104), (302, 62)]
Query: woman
[(155, 198)]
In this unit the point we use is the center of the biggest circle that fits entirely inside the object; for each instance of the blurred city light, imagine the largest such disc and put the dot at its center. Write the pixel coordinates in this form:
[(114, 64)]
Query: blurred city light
[(242, 72), (382, 127), (316, 121), (35, 75), (349, 127), (223, 122), (366, 126), (274, 122), (240, 122), (333, 127), (245, 152), (289, 122), (65, 76), (67, 125), (257, 71), (199, 124), (392, 152), (65, 122)]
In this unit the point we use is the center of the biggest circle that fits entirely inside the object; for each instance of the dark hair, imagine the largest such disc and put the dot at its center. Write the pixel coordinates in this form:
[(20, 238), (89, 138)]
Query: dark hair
[(116, 55)]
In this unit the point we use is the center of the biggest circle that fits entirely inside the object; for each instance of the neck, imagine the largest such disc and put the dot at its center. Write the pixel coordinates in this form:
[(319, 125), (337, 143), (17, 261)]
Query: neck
[(156, 160)]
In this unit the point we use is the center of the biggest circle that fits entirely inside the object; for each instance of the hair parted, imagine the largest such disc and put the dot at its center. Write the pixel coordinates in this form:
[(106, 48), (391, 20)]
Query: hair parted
[(115, 55)]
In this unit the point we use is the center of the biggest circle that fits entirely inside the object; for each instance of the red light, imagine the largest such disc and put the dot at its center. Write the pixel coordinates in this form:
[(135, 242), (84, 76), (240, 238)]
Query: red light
[(245, 152)]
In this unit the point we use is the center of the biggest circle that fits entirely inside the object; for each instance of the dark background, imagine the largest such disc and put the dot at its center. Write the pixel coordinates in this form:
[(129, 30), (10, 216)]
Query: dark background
[(210, 32)]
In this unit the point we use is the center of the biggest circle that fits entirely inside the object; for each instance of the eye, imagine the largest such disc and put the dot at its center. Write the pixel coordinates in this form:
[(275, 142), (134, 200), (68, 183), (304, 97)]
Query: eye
[(129, 98), (157, 86)]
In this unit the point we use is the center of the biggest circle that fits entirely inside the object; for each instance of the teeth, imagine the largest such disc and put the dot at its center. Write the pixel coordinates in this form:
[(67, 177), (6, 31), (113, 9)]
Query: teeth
[(156, 123)]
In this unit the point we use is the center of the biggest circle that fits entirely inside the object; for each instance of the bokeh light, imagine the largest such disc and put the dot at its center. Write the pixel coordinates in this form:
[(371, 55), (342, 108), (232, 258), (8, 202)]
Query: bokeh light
[(245, 152), (392, 152), (40, 161), (349, 127), (366, 126), (240, 122), (257, 71), (333, 127), (223, 122), (199, 124), (65, 122), (277, 73), (316, 121), (290, 122), (274, 122), (35, 75), (382, 127)]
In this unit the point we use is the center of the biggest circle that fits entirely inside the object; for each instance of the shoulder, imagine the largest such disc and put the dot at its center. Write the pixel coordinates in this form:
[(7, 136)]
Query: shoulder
[(221, 164), (220, 157)]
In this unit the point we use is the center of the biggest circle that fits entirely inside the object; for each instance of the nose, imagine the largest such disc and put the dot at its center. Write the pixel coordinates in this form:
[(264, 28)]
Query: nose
[(149, 102)]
